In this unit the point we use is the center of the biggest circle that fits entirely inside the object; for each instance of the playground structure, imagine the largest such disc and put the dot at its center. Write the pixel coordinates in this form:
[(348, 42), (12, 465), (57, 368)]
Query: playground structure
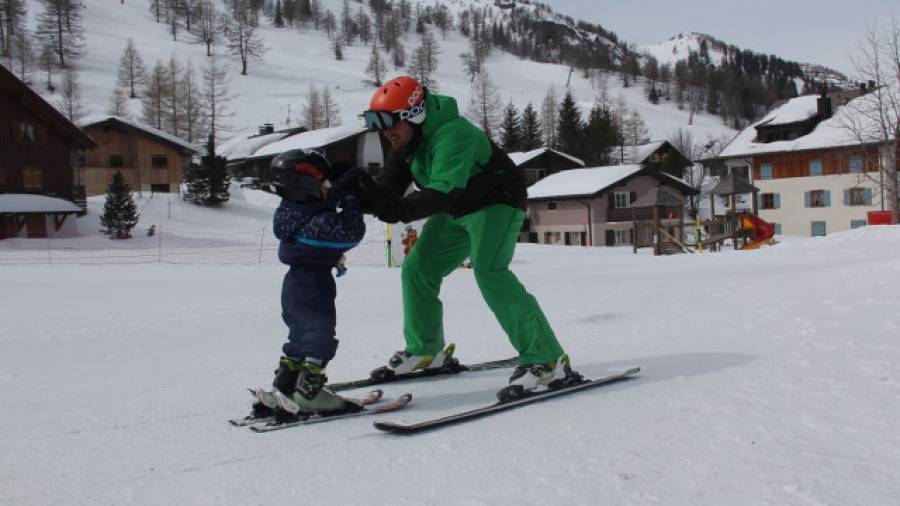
[(745, 229), (658, 221)]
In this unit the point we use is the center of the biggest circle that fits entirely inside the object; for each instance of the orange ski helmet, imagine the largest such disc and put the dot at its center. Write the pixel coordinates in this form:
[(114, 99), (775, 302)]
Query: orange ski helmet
[(400, 99)]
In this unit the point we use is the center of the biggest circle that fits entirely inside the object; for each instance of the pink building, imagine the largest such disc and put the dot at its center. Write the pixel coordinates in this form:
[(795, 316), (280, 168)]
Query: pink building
[(593, 206)]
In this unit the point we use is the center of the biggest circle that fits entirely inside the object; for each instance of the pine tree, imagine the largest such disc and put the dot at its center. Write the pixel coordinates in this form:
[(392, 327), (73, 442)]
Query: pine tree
[(313, 111), (279, 15), (570, 127), (207, 184), (532, 138), (132, 74), (331, 112), (118, 103), (484, 104), (511, 129), (376, 68), (549, 120), (600, 135), (119, 211)]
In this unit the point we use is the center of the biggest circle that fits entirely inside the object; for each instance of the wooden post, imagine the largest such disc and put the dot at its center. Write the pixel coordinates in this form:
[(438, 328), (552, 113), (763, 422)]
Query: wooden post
[(656, 249)]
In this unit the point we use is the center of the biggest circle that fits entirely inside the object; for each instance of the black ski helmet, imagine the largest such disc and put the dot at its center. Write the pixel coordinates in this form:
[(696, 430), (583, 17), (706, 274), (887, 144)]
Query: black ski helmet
[(298, 173)]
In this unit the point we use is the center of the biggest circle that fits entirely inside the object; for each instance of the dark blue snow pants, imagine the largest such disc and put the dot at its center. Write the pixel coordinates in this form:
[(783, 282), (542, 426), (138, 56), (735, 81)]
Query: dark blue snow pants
[(307, 307)]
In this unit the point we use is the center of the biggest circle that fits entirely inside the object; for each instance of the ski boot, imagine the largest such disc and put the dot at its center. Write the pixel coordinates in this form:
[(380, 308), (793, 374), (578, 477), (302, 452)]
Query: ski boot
[(404, 362), (535, 378), (268, 402), (310, 396)]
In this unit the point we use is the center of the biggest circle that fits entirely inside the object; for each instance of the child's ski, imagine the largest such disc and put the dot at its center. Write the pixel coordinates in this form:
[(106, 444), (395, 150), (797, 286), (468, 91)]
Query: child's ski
[(395, 405), (371, 398)]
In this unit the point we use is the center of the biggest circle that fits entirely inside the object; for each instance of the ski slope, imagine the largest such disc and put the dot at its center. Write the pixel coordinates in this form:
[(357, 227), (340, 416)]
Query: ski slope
[(769, 377)]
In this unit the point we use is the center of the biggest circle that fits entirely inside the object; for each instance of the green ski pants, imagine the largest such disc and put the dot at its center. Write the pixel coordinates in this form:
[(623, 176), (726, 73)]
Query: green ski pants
[(488, 237)]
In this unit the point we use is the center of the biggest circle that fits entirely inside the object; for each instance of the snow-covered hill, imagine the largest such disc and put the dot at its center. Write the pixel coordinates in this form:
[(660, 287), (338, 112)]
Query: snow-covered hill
[(769, 378), (274, 91)]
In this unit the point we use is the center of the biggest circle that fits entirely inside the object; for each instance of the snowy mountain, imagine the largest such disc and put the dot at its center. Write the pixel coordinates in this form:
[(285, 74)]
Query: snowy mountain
[(297, 58), (714, 51)]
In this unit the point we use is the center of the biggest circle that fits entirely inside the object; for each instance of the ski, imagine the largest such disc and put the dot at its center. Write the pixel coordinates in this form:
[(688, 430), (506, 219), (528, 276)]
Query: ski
[(502, 406), (380, 376), (397, 404), (371, 398)]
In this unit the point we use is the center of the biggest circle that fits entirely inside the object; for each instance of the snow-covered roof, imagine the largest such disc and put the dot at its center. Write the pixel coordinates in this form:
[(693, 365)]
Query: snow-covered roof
[(167, 137), (311, 139), (831, 133), (580, 182), (520, 157), (634, 154), (244, 147), (26, 203)]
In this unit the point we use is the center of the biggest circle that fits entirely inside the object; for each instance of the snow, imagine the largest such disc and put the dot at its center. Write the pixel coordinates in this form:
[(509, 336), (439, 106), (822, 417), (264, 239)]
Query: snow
[(140, 126), (574, 182), (309, 140), (26, 203), (520, 157), (842, 129), (242, 147), (769, 377), (634, 154), (680, 46)]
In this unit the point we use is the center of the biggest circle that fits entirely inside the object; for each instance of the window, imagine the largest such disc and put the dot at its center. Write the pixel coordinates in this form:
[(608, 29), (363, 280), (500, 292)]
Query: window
[(857, 223), (818, 228), (159, 188), (159, 161), (623, 236), (765, 171), (858, 197), (855, 164), (552, 206), (622, 200), (742, 172), (116, 161), (32, 179), (815, 167), (777, 228), (552, 237), (769, 201), (817, 198), (28, 133)]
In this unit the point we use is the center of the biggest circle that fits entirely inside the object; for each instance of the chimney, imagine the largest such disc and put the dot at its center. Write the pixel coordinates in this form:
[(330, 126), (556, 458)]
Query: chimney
[(267, 128), (823, 105)]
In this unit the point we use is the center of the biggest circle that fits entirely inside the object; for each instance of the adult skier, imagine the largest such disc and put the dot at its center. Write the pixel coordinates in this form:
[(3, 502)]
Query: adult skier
[(475, 198)]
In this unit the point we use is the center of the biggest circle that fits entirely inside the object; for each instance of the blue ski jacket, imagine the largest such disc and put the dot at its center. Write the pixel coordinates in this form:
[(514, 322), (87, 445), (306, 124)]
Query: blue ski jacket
[(316, 234)]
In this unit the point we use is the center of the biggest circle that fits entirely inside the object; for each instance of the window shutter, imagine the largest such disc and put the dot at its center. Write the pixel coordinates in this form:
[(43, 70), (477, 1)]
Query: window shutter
[(777, 198), (846, 197), (806, 199), (759, 201), (868, 196), (633, 196), (611, 200), (827, 198), (610, 238)]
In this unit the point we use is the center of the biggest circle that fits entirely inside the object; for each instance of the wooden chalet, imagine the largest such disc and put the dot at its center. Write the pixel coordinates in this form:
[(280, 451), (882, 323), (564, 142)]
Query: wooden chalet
[(150, 160), (657, 155), (542, 162), (37, 147)]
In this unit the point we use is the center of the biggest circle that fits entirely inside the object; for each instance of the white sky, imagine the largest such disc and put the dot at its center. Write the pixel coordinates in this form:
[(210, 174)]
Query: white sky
[(815, 31)]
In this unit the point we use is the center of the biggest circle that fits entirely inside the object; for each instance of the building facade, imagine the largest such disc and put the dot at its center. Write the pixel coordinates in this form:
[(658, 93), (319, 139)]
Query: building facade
[(150, 160)]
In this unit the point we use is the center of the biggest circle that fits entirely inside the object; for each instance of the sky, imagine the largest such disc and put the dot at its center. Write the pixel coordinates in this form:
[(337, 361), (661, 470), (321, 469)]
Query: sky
[(826, 32)]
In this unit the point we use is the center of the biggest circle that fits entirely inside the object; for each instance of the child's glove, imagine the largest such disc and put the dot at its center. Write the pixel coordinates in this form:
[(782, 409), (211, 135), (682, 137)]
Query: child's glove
[(341, 266)]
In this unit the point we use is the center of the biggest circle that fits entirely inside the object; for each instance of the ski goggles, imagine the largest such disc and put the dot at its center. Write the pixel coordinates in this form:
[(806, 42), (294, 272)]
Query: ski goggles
[(384, 120)]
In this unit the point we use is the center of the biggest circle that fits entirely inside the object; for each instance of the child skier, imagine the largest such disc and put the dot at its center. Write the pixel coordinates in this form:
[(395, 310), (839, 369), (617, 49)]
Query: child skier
[(314, 236)]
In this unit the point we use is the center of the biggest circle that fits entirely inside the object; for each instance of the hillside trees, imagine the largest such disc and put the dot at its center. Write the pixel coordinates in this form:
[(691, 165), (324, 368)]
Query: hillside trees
[(59, 27), (207, 27), (71, 103), (376, 68), (484, 104), (424, 61), (214, 97), (12, 22), (243, 41), (132, 74)]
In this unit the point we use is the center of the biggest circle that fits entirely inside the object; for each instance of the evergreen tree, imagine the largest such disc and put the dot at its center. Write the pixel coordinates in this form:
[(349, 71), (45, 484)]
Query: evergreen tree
[(511, 129), (570, 127), (532, 138), (600, 135), (119, 211), (207, 183), (279, 15)]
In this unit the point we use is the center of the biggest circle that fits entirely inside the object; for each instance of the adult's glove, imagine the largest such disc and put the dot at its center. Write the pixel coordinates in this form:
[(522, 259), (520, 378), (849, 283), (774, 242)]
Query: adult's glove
[(373, 198)]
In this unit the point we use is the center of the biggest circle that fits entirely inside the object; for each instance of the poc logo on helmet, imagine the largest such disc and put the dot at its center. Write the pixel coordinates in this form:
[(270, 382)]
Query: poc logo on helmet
[(413, 112), (415, 96)]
